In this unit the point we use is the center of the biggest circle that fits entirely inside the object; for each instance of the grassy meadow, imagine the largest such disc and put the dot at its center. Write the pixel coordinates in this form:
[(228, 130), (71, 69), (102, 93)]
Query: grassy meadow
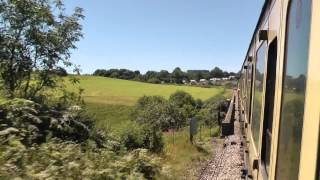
[(104, 90), (110, 102)]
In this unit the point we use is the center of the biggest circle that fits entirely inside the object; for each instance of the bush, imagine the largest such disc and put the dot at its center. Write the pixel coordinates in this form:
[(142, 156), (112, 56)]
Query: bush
[(208, 116), (148, 110), (158, 112), (154, 81), (61, 160), (185, 103), (34, 123), (153, 139), (136, 136), (181, 98), (133, 136)]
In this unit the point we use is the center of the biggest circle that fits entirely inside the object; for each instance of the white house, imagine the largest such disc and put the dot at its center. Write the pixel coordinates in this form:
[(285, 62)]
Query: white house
[(204, 82), (232, 77), (215, 81), (193, 82)]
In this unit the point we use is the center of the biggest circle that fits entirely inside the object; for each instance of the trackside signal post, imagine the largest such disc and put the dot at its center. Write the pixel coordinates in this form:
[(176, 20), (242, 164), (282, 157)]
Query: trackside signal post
[(193, 128)]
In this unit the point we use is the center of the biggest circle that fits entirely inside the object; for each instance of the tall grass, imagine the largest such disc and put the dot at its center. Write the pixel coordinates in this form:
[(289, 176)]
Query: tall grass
[(185, 158)]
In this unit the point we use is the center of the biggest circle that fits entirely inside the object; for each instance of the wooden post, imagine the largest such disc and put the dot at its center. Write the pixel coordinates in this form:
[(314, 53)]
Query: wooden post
[(173, 136)]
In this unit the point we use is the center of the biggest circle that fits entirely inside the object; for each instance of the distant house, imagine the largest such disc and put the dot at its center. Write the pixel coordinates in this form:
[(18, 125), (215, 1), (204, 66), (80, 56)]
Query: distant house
[(203, 82), (215, 81), (232, 77), (193, 82)]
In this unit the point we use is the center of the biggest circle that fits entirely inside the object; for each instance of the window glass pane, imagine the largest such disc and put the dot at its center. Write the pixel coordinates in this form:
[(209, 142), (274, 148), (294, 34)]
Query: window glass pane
[(269, 105), (257, 99), (249, 88), (292, 107), (242, 83)]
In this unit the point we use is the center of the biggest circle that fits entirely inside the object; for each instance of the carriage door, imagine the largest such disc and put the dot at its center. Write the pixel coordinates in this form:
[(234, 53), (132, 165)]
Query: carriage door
[(268, 111)]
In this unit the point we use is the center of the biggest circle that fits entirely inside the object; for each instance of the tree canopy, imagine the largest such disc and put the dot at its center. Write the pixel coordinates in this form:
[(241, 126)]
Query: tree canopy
[(36, 36), (177, 76), (217, 73)]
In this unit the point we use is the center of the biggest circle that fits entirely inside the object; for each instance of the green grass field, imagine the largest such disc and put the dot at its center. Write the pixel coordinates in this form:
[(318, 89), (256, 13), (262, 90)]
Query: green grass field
[(104, 90)]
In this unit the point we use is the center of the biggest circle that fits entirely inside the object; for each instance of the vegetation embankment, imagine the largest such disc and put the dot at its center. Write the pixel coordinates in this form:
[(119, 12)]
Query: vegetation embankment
[(42, 135), (178, 153), (48, 132)]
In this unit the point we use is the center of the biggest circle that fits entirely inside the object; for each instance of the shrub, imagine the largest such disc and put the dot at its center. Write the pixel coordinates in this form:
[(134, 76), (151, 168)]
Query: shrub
[(159, 113), (208, 116), (34, 123), (154, 81), (153, 139), (61, 160), (132, 137), (185, 104), (148, 110), (181, 98)]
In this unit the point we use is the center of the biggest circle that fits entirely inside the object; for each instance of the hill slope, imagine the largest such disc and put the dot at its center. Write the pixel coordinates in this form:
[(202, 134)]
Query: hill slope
[(104, 90)]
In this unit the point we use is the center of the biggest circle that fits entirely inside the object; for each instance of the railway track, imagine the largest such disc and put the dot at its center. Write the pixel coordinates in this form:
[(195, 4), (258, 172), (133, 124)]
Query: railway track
[(228, 161)]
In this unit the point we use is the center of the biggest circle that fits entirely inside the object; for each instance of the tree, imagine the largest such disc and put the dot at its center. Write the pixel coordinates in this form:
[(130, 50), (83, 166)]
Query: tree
[(232, 74), (35, 35), (226, 74), (126, 74), (137, 73), (216, 72), (177, 75), (151, 75), (114, 74), (164, 76), (154, 81), (100, 72)]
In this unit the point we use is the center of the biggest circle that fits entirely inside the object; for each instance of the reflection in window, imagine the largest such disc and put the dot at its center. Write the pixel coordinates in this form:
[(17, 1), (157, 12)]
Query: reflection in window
[(249, 89), (257, 99), (292, 105)]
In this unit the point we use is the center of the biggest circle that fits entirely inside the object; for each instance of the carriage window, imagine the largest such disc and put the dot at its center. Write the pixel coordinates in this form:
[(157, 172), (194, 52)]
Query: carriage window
[(257, 99), (294, 85), (249, 90), (269, 105)]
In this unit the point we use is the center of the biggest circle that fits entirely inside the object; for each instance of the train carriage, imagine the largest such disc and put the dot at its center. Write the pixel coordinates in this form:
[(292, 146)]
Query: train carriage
[(279, 90)]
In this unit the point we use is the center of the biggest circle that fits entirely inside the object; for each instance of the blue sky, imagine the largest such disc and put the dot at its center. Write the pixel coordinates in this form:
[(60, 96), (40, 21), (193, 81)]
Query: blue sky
[(163, 34)]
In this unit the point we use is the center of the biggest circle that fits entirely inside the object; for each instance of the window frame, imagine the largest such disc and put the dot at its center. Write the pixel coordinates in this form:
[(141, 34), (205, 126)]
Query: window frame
[(266, 172), (282, 86), (256, 145)]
